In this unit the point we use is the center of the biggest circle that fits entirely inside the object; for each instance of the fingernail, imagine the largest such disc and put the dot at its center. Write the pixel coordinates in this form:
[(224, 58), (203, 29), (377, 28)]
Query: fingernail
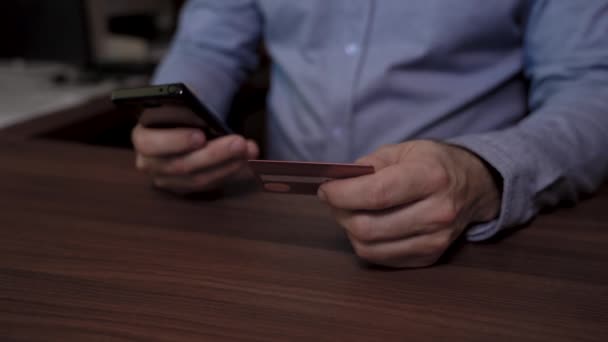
[(322, 196), (197, 139), (237, 145)]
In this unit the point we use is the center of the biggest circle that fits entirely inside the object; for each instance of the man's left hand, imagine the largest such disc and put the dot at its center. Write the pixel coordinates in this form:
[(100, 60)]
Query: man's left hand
[(420, 199)]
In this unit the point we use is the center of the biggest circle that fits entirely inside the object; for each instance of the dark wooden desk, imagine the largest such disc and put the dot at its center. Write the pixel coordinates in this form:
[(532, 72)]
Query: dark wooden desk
[(89, 252)]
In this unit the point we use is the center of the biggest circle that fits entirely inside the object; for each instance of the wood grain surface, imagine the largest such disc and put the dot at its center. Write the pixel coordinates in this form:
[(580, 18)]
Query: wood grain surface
[(90, 252)]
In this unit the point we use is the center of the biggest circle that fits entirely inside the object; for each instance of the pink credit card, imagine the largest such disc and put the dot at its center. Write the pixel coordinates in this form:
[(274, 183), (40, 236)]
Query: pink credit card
[(302, 177)]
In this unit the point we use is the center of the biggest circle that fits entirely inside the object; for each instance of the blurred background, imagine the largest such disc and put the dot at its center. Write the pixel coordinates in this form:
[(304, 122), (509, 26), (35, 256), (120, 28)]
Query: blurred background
[(60, 55)]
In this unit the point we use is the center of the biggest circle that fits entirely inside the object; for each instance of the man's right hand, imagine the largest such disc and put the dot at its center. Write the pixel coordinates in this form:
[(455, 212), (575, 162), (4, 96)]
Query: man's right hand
[(181, 160)]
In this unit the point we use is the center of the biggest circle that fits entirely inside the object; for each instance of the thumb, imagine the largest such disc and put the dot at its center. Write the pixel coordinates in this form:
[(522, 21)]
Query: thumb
[(373, 160)]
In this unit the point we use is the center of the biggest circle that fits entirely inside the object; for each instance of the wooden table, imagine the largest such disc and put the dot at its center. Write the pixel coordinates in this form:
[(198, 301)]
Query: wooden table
[(90, 252)]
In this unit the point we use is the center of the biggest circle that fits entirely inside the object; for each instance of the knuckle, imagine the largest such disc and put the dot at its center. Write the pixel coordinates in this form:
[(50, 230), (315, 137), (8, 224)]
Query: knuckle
[(446, 214), (179, 167), (379, 257), (438, 176), (362, 228), (435, 246), (367, 253), (137, 138), (372, 254), (140, 163)]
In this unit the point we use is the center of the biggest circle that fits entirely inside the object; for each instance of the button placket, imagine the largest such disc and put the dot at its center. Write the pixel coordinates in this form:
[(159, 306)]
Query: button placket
[(339, 143)]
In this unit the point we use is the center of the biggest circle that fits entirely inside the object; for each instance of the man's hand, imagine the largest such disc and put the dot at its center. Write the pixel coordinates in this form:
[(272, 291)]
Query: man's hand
[(421, 198), (181, 160)]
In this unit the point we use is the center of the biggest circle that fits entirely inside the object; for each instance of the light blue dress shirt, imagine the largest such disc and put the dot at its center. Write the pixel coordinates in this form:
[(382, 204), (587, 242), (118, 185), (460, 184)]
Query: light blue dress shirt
[(523, 84)]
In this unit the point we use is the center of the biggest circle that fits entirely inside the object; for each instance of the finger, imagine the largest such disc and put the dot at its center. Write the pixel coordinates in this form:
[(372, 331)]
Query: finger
[(246, 174), (217, 152), (158, 142), (395, 185), (419, 251), (156, 166), (253, 151), (420, 218), (208, 180), (141, 163)]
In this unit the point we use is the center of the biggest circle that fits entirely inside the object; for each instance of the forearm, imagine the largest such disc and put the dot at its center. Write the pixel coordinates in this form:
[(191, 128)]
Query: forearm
[(214, 49), (213, 81), (559, 153)]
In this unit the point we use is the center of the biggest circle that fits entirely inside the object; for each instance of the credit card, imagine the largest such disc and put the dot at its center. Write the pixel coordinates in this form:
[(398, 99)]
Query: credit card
[(293, 177)]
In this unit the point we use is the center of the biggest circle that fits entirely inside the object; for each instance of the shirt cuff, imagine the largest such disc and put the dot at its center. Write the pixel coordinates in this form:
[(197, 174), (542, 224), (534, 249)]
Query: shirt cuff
[(514, 208), (204, 76)]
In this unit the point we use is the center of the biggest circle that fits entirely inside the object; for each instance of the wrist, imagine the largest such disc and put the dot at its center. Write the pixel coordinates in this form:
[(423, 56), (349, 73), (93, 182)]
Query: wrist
[(484, 186)]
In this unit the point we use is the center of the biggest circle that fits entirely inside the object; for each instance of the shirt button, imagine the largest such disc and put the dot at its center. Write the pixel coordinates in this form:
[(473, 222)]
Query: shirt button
[(351, 49)]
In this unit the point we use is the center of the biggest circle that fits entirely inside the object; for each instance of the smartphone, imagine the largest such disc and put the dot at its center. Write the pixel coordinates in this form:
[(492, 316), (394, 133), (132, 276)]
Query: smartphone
[(198, 114)]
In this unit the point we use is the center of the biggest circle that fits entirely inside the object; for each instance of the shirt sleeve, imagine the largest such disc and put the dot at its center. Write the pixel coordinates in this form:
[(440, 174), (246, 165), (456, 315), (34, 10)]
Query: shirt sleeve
[(560, 151), (213, 50)]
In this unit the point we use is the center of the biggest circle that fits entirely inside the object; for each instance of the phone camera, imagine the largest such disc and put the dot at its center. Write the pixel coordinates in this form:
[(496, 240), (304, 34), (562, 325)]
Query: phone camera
[(172, 90)]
